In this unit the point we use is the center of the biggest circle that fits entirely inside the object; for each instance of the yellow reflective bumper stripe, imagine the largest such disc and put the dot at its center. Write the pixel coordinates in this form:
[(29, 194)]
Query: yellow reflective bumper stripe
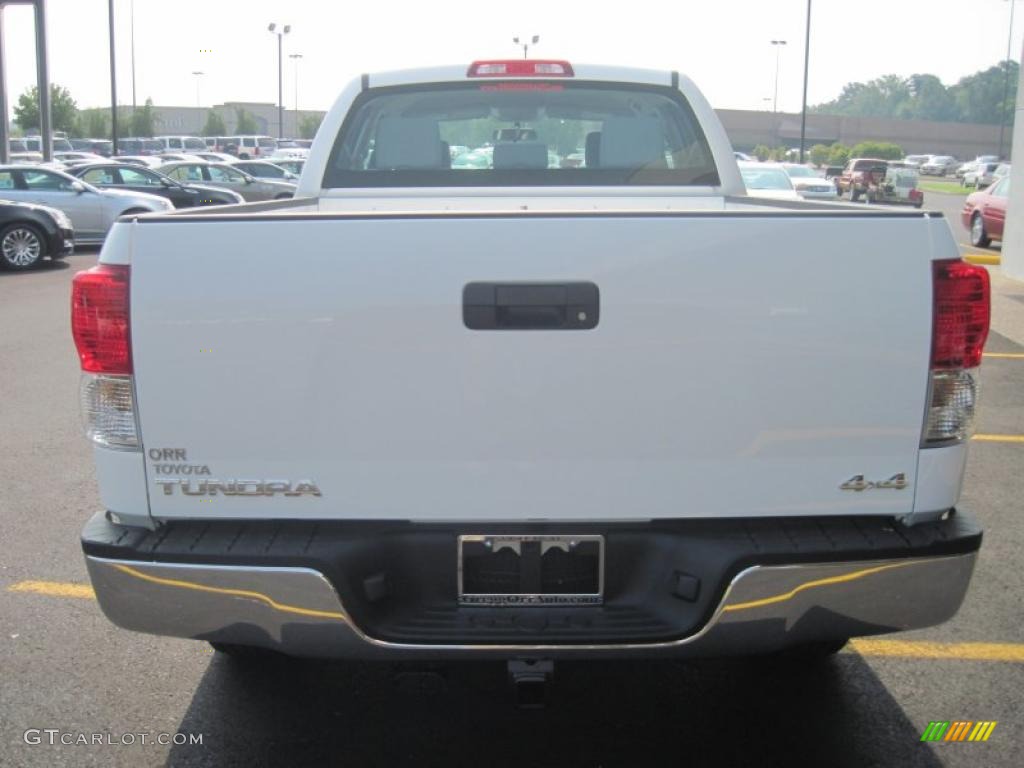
[(232, 593), (846, 577)]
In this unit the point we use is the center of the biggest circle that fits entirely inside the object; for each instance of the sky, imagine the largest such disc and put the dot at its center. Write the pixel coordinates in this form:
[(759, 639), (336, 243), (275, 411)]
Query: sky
[(724, 45)]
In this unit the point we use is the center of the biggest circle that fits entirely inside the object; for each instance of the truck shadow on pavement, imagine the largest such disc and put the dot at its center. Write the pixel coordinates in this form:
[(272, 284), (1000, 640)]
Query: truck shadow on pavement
[(733, 713)]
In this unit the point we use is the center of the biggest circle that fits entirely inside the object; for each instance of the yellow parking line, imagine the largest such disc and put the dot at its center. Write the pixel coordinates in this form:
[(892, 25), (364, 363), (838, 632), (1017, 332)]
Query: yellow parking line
[(1004, 355), (54, 589), (1012, 652), (999, 438), (983, 258)]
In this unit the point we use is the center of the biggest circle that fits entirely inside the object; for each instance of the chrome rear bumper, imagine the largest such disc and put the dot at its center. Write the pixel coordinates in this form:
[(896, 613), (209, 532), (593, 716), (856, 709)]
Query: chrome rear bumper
[(298, 611)]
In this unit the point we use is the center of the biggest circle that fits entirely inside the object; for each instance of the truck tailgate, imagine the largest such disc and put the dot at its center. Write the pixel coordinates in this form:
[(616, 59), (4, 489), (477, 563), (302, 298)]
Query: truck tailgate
[(742, 365)]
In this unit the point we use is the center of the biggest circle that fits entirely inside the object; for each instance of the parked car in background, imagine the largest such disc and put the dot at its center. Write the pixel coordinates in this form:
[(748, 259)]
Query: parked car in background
[(859, 174), (292, 148), (180, 143), (35, 144), (980, 175), (768, 180), (247, 147), (149, 161), (743, 157), (972, 165), (226, 176), (939, 165), (141, 147), (178, 157), (264, 169), (30, 233), (1003, 169), (966, 168), (92, 211), (215, 157), (984, 213), (809, 184), (292, 166), (917, 160), (77, 158), (102, 147), (139, 179), (26, 158)]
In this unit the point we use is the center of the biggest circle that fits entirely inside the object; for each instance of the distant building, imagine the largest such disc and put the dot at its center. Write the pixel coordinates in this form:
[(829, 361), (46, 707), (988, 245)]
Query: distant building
[(190, 120)]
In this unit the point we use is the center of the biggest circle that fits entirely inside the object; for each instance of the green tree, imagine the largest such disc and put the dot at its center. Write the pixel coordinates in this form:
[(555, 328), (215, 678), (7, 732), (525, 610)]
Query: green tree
[(143, 122), (93, 124), (761, 152), (308, 126), (819, 154), (883, 150), (214, 124), (63, 110), (979, 97), (976, 98), (245, 122), (838, 154)]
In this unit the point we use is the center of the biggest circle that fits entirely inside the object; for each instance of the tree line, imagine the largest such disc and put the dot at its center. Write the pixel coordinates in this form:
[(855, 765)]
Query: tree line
[(141, 121), (976, 98)]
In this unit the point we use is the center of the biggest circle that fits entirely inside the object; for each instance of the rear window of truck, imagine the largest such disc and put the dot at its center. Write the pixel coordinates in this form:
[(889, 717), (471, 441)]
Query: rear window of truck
[(501, 134)]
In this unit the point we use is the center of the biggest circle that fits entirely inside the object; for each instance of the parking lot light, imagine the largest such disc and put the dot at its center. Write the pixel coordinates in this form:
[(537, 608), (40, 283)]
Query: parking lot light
[(778, 49), (272, 28)]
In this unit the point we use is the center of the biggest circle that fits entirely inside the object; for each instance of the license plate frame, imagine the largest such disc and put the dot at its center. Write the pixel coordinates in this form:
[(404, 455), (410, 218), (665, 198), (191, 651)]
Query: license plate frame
[(497, 542)]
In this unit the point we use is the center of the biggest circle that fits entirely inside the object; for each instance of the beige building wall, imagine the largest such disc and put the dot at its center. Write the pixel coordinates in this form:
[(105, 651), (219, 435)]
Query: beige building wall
[(964, 140)]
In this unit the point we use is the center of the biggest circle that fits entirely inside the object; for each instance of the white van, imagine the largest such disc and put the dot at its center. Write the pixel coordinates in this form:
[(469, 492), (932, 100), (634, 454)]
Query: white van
[(181, 143), (247, 147)]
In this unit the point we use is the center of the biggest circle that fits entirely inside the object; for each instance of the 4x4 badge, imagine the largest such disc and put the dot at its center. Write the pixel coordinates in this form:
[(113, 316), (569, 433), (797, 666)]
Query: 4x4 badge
[(858, 483)]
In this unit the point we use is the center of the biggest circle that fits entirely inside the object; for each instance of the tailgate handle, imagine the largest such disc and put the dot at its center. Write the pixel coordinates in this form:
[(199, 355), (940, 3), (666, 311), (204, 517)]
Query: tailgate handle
[(530, 306)]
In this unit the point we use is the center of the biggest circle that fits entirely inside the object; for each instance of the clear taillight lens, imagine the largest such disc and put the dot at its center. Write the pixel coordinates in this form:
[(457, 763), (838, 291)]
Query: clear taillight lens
[(108, 410), (951, 410)]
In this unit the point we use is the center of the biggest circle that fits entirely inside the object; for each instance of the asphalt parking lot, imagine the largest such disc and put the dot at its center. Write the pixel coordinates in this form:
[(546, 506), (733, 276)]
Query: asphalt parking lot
[(66, 667)]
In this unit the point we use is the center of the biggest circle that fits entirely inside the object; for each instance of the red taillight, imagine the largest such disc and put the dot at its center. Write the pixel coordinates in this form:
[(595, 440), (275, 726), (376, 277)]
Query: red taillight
[(520, 68), (99, 319), (960, 314)]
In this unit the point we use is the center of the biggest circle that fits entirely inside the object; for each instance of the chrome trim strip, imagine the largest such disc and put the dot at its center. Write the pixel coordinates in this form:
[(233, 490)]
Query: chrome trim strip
[(298, 611)]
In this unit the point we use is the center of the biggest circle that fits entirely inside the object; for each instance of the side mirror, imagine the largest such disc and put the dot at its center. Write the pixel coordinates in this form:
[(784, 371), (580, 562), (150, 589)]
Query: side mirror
[(77, 187)]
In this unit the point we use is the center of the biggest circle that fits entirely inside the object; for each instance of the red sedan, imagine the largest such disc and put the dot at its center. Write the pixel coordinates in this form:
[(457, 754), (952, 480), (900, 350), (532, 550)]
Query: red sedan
[(985, 212)]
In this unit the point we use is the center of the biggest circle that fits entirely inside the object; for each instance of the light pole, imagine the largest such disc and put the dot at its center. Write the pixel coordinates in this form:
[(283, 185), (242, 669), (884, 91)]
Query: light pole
[(526, 44), (113, 84), (295, 57), (778, 49), (272, 28), (807, 63), (133, 53), (198, 112), (1006, 81)]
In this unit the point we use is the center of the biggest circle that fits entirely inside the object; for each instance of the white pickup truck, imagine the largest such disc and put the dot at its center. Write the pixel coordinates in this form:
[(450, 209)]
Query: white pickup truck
[(567, 393)]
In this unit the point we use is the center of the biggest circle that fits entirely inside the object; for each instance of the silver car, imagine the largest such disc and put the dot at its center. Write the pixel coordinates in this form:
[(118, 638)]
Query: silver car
[(227, 177), (264, 169), (92, 211)]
